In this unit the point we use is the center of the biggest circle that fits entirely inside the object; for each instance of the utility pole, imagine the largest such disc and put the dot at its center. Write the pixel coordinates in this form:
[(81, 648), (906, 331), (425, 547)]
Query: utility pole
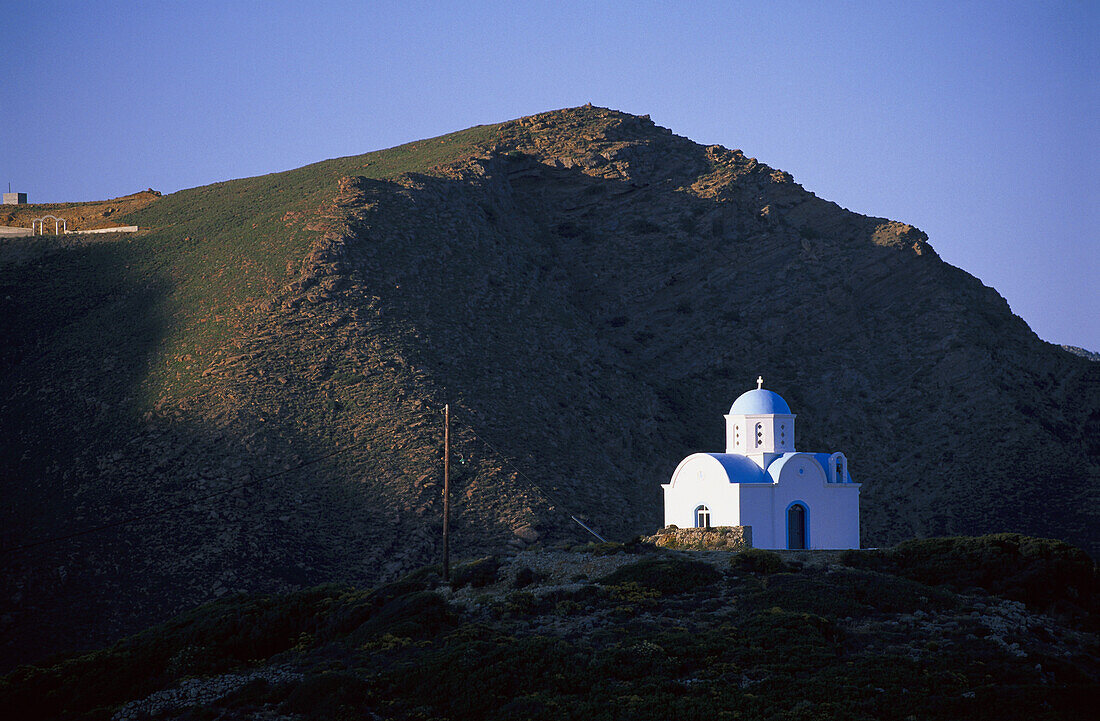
[(447, 493)]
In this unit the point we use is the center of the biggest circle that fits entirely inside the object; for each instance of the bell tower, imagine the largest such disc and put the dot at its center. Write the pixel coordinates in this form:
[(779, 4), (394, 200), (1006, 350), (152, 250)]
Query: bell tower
[(760, 425)]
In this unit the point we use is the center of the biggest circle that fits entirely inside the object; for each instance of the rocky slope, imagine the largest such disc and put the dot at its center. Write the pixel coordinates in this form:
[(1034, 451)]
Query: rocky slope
[(1083, 352), (264, 369)]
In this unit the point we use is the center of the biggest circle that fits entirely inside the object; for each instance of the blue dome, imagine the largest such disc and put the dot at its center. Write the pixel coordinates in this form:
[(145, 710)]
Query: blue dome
[(759, 401), (740, 469)]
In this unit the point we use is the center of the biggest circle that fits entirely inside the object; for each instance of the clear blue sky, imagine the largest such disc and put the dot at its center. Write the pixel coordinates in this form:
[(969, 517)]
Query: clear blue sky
[(976, 122)]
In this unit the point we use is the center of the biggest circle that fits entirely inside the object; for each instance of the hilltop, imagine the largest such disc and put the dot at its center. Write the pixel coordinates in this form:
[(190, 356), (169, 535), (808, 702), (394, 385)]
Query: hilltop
[(586, 289), (995, 627), (91, 215)]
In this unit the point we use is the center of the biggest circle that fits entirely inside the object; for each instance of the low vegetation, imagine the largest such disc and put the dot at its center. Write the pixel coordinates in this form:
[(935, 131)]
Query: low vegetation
[(897, 634), (1045, 574)]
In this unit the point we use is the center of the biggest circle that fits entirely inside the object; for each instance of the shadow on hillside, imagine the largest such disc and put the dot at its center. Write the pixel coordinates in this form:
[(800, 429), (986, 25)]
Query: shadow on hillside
[(562, 307), (86, 447)]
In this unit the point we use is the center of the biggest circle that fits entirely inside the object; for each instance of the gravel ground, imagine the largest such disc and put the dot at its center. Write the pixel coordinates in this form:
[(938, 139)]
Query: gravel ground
[(199, 692)]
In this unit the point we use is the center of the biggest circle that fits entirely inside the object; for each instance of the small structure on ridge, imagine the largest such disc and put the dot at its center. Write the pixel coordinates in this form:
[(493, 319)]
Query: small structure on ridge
[(790, 499)]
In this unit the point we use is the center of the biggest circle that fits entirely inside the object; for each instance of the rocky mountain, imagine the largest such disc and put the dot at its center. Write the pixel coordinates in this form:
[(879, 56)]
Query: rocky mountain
[(247, 392)]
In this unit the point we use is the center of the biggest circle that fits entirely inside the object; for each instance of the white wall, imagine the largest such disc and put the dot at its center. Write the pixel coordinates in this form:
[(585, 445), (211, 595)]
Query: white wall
[(701, 480), (119, 229), (833, 507), (757, 510)]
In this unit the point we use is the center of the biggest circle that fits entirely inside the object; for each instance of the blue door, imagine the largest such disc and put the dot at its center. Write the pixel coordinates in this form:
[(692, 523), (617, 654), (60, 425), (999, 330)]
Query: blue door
[(796, 526)]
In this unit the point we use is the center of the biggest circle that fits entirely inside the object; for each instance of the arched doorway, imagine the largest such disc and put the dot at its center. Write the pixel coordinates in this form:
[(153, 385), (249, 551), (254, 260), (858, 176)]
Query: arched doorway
[(702, 517), (797, 535)]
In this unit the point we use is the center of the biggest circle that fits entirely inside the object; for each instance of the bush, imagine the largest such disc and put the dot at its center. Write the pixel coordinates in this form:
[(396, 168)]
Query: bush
[(209, 639), (1040, 572), (476, 574), (329, 696), (637, 659), (345, 618), (665, 575), (848, 592), (757, 560), (525, 577), (791, 635), (415, 616)]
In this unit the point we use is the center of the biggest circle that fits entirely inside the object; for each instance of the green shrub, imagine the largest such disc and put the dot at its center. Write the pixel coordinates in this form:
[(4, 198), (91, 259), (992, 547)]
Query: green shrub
[(1040, 572), (476, 574), (208, 639), (525, 577), (428, 575), (343, 618), (667, 575), (848, 592), (633, 594), (329, 696), (416, 616), (521, 603), (478, 672), (635, 659), (566, 601), (793, 634), (757, 560)]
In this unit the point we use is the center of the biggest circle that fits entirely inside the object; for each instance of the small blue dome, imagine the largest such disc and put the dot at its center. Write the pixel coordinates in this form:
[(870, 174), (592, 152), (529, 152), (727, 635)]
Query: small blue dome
[(759, 401)]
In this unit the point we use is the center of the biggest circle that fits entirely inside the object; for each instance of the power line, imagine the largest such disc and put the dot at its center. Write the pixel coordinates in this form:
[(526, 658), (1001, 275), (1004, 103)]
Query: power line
[(179, 506), (169, 509), (504, 458), (539, 488)]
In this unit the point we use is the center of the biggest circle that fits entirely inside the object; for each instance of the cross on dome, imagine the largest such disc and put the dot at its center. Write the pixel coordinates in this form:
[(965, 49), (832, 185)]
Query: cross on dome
[(758, 479)]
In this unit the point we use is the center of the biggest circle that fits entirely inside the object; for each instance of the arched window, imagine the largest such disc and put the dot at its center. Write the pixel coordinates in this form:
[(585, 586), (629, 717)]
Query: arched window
[(759, 434), (782, 434), (737, 436), (838, 468), (702, 517)]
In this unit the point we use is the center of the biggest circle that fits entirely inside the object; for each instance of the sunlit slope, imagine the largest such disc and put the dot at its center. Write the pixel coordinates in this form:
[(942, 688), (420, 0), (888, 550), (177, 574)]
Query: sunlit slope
[(77, 216)]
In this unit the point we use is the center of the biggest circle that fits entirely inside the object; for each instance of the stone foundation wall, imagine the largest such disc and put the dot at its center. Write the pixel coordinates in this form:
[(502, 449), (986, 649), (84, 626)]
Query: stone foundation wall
[(720, 538)]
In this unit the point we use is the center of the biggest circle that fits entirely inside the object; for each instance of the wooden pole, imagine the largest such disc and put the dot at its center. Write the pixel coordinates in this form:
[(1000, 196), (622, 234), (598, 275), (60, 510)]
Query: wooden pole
[(447, 493)]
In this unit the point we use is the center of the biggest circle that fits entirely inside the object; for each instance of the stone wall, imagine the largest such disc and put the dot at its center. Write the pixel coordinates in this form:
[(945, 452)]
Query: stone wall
[(719, 538)]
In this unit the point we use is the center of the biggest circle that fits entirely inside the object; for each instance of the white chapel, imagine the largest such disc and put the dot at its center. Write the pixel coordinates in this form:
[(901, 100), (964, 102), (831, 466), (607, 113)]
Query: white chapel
[(789, 498)]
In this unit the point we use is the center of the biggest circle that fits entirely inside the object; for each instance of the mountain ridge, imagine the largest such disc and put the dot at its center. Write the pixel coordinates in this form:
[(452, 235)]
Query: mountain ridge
[(587, 290)]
